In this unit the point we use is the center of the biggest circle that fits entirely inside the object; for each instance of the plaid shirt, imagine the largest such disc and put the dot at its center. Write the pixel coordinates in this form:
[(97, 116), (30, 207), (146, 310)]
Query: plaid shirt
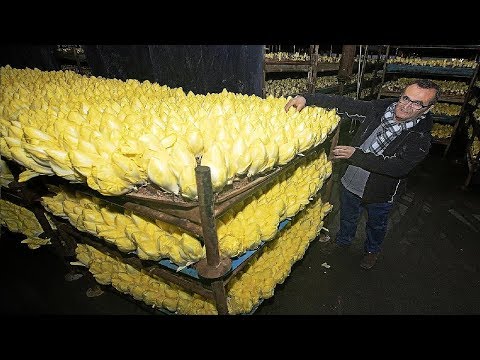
[(390, 129)]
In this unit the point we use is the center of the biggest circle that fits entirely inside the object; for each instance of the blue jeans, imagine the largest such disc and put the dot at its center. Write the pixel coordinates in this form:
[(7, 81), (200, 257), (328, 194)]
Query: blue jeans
[(377, 220)]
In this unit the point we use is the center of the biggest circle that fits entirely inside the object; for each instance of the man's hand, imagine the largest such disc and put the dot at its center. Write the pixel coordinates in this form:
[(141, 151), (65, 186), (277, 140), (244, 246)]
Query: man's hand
[(298, 102), (343, 152)]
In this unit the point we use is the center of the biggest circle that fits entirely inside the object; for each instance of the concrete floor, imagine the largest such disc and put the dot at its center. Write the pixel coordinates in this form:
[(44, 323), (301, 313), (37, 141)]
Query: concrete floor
[(429, 265)]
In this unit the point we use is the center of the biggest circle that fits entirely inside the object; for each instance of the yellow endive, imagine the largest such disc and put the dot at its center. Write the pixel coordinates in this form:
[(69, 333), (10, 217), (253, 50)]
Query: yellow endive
[(126, 127), (267, 268)]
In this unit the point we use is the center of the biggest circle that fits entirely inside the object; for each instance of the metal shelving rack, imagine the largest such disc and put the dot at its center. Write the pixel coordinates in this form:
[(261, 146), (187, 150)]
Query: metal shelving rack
[(314, 67), (374, 68), (209, 276), (73, 58), (311, 67), (473, 161)]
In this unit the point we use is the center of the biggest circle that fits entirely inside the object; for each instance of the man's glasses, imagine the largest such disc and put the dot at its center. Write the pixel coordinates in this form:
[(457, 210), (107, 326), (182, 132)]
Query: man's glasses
[(416, 105)]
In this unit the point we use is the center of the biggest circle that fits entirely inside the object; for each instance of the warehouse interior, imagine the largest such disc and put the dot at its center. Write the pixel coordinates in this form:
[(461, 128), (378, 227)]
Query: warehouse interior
[(429, 262)]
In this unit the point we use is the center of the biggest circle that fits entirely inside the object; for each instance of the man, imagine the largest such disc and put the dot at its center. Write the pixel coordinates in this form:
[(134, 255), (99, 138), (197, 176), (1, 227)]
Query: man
[(393, 137)]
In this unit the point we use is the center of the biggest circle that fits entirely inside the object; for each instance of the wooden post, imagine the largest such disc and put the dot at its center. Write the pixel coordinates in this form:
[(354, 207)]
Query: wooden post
[(387, 52), (346, 63), (363, 65), (215, 267), (205, 201), (312, 74), (344, 73)]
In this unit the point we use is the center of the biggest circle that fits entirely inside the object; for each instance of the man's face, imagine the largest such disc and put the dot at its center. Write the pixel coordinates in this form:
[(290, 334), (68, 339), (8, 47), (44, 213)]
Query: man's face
[(413, 102)]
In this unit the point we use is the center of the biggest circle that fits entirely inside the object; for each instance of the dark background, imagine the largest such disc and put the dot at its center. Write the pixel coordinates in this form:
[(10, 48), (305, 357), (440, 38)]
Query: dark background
[(197, 68)]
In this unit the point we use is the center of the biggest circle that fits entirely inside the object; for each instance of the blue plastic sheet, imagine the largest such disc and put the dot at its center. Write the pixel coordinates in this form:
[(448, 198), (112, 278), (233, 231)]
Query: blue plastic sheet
[(236, 262)]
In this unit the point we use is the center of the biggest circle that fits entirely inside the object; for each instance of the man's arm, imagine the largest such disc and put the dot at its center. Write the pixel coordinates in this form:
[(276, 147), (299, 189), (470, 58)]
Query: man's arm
[(397, 165), (344, 104)]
